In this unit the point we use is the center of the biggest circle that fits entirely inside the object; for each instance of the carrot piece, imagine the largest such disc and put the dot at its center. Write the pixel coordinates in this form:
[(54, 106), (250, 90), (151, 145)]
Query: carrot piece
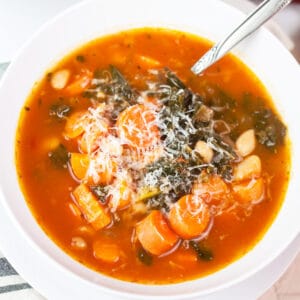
[(155, 235), (147, 62), (81, 82), (189, 216), (75, 125), (92, 210), (79, 165), (251, 191), (136, 126), (123, 193), (108, 253), (213, 190)]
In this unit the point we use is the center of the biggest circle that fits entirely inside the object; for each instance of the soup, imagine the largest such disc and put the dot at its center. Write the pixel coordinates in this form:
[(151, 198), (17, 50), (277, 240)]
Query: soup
[(145, 172)]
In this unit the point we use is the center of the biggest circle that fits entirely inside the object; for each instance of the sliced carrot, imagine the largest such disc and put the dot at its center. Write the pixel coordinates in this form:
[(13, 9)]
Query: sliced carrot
[(189, 216), (79, 165), (75, 125), (213, 190), (80, 83), (92, 210), (155, 235), (136, 126), (251, 191), (108, 253)]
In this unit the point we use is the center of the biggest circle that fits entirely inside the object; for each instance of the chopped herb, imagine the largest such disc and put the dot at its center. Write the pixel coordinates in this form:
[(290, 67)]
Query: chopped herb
[(59, 110), (49, 76), (144, 257), (59, 157), (202, 252), (80, 58), (113, 85), (173, 179), (270, 131), (89, 94), (100, 192)]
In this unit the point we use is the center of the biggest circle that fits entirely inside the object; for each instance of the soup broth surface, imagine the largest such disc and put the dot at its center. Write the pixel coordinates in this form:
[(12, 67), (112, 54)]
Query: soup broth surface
[(106, 153)]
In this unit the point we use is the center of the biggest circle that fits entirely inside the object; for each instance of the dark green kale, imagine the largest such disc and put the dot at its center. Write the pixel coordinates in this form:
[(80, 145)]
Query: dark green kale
[(173, 178), (116, 90), (59, 110), (80, 58), (144, 257), (59, 157), (269, 130), (202, 252), (100, 192)]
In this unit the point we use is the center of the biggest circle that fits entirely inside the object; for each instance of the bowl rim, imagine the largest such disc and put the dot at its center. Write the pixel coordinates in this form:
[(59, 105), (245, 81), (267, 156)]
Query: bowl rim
[(8, 209)]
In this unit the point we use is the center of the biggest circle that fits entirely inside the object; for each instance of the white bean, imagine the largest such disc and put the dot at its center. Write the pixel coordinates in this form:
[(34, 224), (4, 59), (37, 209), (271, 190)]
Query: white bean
[(78, 242), (59, 79), (205, 151), (50, 143), (249, 168), (245, 144)]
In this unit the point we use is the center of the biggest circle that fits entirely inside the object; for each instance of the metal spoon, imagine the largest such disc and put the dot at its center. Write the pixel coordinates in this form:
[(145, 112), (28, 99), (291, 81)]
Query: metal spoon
[(253, 21)]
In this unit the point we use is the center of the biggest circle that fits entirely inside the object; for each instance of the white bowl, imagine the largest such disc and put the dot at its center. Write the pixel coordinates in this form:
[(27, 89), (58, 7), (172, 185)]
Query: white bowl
[(210, 19)]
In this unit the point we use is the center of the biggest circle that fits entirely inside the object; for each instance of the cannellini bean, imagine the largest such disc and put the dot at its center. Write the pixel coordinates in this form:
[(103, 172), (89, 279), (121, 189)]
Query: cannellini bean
[(245, 144), (205, 151), (50, 143), (86, 230), (78, 242), (251, 191), (249, 168), (59, 79), (148, 62)]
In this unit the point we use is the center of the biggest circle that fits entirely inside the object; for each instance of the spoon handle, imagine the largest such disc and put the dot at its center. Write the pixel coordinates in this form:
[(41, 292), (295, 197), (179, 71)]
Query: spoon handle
[(253, 21)]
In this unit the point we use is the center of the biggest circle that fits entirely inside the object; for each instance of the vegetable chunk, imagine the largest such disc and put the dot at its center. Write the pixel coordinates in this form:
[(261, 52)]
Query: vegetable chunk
[(136, 125), (92, 210), (249, 168), (79, 165), (155, 235), (251, 191), (108, 253), (189, 217)]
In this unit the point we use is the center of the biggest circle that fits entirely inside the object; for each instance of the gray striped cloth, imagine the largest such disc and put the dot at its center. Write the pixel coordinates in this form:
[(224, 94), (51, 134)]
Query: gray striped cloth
[(13, 286)]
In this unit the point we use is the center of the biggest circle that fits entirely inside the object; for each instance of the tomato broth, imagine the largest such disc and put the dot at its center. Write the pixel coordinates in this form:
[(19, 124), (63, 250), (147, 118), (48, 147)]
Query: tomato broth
[(135, 167)]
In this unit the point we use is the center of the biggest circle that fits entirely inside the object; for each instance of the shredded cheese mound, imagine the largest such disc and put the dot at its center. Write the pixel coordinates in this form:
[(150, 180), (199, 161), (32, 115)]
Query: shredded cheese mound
[(128, 151)]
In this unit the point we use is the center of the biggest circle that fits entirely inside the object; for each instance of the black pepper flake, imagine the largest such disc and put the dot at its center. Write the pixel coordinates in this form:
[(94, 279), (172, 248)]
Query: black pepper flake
[(80, 58), (27, 108), (49, 75)]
